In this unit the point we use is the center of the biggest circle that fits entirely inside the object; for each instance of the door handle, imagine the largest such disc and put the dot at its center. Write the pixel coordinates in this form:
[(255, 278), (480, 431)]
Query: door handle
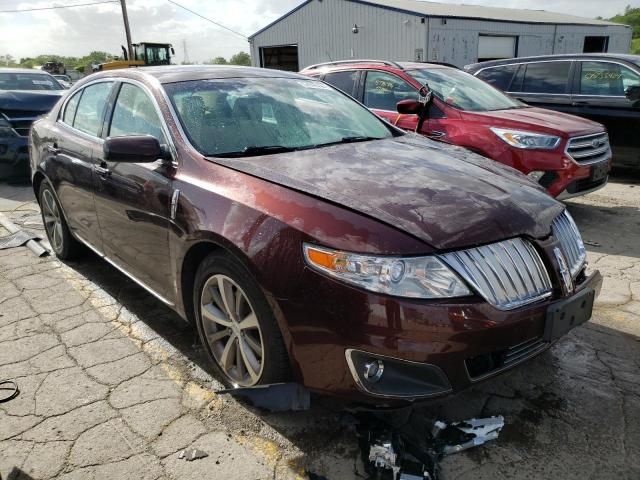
[(102, 171), (436, 134), (52, 149), (579, 104)]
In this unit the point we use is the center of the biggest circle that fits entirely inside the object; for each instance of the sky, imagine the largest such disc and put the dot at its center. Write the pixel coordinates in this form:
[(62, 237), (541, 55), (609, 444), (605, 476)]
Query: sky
[(77, 31)]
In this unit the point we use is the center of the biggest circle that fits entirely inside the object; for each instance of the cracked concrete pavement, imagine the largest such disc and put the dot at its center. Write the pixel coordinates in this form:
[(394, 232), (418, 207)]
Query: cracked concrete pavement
[(113, 386)]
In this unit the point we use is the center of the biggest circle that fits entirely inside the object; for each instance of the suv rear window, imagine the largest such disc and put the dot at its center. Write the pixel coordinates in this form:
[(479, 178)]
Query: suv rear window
[(345, 81), (499, 77), (543, 77)]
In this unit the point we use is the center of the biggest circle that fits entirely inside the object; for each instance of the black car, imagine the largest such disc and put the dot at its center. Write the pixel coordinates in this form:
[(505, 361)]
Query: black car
[(601, 87), (25, 95)]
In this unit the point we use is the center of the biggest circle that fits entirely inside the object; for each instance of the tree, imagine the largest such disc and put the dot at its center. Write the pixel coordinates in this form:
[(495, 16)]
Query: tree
[(240, 58), (219, 61), (7, 61)]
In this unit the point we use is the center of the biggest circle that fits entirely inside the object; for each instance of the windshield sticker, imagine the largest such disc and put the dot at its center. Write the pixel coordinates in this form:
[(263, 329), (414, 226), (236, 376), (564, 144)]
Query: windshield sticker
[(383, 86), (602, 75)]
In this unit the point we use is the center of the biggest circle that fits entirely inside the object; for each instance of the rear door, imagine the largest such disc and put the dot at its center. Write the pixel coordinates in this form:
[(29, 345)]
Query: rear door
[(345, 80), (599, 90), (133, 199), (75, 143), (544, 84)]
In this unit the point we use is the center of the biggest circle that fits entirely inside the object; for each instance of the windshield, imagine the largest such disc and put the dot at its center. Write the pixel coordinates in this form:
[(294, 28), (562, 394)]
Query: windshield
[(464, 91), (28, 81), (253, 116)]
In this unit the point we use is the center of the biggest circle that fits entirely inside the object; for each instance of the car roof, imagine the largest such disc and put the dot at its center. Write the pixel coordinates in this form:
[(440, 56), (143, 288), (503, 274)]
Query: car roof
[(183, 73), (565, 56), (23, 70)]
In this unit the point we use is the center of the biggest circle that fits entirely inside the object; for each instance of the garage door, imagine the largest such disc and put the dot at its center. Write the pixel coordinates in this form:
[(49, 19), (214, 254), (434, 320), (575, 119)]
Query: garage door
[(283, 57), (494, 47)]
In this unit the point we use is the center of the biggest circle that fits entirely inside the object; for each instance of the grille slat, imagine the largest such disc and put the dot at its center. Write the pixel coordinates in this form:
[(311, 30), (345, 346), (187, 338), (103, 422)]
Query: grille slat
[(589, 148), (568, 235), (507, 280)]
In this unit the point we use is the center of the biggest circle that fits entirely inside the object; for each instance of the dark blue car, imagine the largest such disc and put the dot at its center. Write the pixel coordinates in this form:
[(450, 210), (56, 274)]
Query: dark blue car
[(25, 95)]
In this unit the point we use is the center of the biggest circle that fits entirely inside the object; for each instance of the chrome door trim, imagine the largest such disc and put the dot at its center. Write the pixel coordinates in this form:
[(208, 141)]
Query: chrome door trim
[(125, 272)]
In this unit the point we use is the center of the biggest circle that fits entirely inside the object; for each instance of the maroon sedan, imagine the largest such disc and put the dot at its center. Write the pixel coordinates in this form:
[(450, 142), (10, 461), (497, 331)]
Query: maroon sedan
[(304, 237)]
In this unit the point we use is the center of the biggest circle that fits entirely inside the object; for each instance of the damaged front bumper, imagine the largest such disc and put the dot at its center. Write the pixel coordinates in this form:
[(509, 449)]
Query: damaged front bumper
[(394, 378)]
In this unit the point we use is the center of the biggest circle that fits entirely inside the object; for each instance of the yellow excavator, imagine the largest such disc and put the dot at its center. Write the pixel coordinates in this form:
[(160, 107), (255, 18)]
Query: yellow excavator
[(144, 54)]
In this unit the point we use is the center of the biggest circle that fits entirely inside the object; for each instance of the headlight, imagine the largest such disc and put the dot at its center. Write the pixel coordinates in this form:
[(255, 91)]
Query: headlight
[(520, 139), (6, 131), (413, 277)]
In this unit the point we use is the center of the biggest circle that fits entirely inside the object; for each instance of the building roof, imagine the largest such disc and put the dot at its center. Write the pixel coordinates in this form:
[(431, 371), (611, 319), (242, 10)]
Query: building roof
[(485, 13), (477, 12)]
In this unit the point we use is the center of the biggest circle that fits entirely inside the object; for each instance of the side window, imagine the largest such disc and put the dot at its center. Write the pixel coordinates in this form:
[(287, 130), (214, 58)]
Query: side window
[(345, 81), (90, 111), (499, 77), (546, 77), (383, 91), (135, 114), (603, 78), (71, 107)]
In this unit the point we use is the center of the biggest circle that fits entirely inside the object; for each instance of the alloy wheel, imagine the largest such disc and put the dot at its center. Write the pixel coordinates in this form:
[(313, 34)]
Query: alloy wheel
[(52, 220), (232, 330)]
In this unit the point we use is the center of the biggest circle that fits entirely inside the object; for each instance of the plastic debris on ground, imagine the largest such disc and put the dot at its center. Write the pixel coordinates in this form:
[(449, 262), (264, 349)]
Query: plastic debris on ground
[(191, 454), (390, 454)]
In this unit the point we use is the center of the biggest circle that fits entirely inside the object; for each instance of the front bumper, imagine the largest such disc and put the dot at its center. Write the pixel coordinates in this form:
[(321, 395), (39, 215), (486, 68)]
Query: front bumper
[(447, 340), (14, 158), (578, 179)]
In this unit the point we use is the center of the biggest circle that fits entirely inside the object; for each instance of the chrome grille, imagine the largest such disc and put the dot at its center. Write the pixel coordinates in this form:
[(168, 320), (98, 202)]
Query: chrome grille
[(589, 148), (21, 120), (507, 274), (566, 232)]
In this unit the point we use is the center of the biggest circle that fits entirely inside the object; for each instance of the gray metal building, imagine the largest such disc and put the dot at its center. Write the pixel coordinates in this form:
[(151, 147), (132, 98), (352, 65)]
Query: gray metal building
[(410, 30)]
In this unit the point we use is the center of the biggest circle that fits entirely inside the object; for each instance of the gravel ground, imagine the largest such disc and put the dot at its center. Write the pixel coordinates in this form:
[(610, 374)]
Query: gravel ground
[(112, 385)]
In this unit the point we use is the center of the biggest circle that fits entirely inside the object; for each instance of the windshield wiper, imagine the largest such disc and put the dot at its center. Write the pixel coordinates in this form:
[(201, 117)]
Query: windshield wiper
[(254, 150), (353, 139)]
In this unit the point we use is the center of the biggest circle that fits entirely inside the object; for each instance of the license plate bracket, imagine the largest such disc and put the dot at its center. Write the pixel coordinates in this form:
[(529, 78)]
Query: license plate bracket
[(599, 171), (567, 314)]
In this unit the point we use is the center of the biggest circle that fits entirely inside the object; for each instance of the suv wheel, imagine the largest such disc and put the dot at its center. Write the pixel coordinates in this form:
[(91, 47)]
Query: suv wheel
[(236, 325), (64, 245)]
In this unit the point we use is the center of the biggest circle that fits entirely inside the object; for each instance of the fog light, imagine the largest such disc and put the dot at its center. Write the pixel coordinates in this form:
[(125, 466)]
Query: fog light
[(401, 379), (373, 370), (536, 175)]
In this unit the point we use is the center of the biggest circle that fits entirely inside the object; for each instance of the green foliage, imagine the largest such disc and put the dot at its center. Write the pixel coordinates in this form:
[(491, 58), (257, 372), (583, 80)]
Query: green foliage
[(631, 16), (635, 46), (240, 58), (219, 61)]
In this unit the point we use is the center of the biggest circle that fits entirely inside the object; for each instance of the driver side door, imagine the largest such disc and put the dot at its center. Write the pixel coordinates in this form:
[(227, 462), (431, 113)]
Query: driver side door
[(133, 199), (383, 91)]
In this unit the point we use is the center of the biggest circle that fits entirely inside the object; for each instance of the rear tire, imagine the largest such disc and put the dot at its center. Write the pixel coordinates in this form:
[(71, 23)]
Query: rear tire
[(62, 242), (236, 325)]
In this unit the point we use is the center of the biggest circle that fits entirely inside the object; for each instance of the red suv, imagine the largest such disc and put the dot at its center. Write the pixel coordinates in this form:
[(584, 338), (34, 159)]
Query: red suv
[(567, 155)]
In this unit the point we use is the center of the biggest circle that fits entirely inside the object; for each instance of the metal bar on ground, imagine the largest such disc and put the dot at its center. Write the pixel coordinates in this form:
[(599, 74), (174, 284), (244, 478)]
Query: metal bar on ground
[(34, 246)]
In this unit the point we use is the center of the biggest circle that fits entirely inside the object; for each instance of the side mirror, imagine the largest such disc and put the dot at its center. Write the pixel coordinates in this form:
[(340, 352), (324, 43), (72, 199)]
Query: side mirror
[(409, 107), (632, 92), (134, 149)]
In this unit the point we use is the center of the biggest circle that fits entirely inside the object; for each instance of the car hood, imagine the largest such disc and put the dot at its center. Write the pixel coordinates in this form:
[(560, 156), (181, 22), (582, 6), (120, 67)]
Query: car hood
[(29, 100), (554, 122), (446, 196)]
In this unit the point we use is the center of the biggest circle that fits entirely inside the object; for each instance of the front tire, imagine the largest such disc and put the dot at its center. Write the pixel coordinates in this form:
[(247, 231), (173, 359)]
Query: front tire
[(62, 242), (236, 325)]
